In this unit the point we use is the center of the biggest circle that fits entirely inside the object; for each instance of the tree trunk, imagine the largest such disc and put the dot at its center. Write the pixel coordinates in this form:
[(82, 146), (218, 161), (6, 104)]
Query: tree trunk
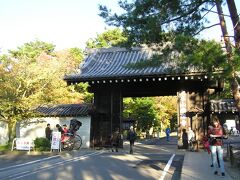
[(235, 22), (11, 131), (233, 75)]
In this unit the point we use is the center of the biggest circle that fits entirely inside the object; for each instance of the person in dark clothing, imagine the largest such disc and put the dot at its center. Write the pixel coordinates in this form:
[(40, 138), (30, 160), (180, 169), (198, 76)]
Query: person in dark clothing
[(131, 137), (168, 131), (185, 139), (115, 140), (48, 132), (59, 128)]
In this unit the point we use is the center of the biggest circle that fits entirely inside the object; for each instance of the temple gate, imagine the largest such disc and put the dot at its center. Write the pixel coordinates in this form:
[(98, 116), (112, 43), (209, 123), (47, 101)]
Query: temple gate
[(111, 78)]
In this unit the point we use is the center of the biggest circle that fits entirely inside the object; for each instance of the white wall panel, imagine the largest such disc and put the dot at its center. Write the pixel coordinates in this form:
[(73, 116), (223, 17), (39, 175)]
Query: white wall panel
[(36, 127)]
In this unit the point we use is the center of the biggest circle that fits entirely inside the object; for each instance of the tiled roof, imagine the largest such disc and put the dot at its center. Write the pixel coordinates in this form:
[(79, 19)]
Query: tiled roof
[(113, 63), (223, 105), (65, 110)]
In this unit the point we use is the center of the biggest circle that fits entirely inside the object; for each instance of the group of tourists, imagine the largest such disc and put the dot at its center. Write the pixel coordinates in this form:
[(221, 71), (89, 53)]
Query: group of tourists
[(63, 130), (116, 138), (188, 139)]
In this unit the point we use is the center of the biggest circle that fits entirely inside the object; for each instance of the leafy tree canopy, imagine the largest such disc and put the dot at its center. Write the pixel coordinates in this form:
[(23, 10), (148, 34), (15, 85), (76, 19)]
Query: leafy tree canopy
[(32, 50), (147, 22), (29, 81), (107, 39), (156, 112)]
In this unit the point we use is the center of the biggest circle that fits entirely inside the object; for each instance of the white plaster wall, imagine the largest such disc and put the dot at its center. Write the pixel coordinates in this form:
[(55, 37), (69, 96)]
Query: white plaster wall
[(3, 133), (36, 127)]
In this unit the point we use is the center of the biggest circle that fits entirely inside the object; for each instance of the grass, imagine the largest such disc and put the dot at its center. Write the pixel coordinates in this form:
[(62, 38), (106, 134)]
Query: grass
[(4, 147)]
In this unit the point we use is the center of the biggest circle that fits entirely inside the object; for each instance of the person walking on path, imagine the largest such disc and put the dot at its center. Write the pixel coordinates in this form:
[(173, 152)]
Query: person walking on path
[(168, 131), (48, 132), (131, 137), (216, 136), (210, 128), (115, 139)]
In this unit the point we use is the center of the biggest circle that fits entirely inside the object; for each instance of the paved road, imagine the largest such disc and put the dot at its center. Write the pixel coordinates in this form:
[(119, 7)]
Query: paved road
[(151, 160)]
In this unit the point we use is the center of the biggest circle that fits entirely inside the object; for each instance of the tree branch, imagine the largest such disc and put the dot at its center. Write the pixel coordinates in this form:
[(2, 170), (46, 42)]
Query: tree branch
[(206, 28), (216, 12), (3, 120), (183, 15)]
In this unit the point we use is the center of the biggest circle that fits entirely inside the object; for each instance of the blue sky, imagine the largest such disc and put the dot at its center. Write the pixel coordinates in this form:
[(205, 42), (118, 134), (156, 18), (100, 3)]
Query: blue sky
[(65, 23)]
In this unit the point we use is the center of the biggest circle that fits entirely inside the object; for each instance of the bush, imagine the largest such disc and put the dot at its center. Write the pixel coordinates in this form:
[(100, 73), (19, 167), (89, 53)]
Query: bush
[(42, 144), (5, 147)]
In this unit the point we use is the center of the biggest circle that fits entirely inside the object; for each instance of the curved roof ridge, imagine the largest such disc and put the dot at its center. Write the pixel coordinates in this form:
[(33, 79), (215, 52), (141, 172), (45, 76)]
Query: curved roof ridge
[(118, 48)]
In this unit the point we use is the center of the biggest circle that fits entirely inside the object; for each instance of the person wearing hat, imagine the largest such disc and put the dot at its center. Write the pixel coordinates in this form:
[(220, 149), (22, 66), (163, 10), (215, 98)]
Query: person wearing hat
[(131, 137)]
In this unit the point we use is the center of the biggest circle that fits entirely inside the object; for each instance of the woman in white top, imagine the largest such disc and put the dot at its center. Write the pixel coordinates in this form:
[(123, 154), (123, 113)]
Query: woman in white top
[(191, 138)]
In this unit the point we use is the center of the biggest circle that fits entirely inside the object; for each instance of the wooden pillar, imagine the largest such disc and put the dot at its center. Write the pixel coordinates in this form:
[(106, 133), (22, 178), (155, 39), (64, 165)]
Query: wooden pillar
[(191, 102), (106, 117), (116, 110)]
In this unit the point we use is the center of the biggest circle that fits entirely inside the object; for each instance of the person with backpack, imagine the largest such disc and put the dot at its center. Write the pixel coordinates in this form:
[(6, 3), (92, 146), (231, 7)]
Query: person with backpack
[(216, 142), (131, 137), (115, 139)]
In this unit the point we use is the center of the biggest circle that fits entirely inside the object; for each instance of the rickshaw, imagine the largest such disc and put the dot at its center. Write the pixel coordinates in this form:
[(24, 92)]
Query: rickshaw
[(71, 140)]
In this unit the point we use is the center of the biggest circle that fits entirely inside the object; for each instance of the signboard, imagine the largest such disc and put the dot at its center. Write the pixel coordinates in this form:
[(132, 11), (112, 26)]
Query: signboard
[(24, 144), (56, 140)]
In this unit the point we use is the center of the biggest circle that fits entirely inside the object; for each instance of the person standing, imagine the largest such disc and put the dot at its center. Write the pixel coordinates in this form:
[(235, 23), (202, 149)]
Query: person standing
[(115, 139), (131, 137), (191, 138), (168, 131), (185, 139), (216, 141), (48, 132), (60, 129)]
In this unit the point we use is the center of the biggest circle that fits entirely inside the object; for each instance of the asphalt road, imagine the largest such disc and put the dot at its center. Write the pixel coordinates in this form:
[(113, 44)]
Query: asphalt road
[(155, 159)]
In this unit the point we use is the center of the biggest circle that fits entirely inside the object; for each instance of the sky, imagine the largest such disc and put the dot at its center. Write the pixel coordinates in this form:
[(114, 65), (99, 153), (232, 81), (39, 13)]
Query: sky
[(64, 23)]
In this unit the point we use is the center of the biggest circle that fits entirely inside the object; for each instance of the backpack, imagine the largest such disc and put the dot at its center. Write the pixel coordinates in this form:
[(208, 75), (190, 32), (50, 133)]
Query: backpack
[(131, 136)]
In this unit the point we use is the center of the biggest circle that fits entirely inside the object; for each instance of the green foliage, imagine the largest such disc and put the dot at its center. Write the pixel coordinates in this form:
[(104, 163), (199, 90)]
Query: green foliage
[(205, 56), (146, 22), (166, 108), (4, 147), (109, 38), (226, 93), (42, 144), (83, 89), (141, 110), (32, 50), (156, 112), (76, 54), (33, 76)]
